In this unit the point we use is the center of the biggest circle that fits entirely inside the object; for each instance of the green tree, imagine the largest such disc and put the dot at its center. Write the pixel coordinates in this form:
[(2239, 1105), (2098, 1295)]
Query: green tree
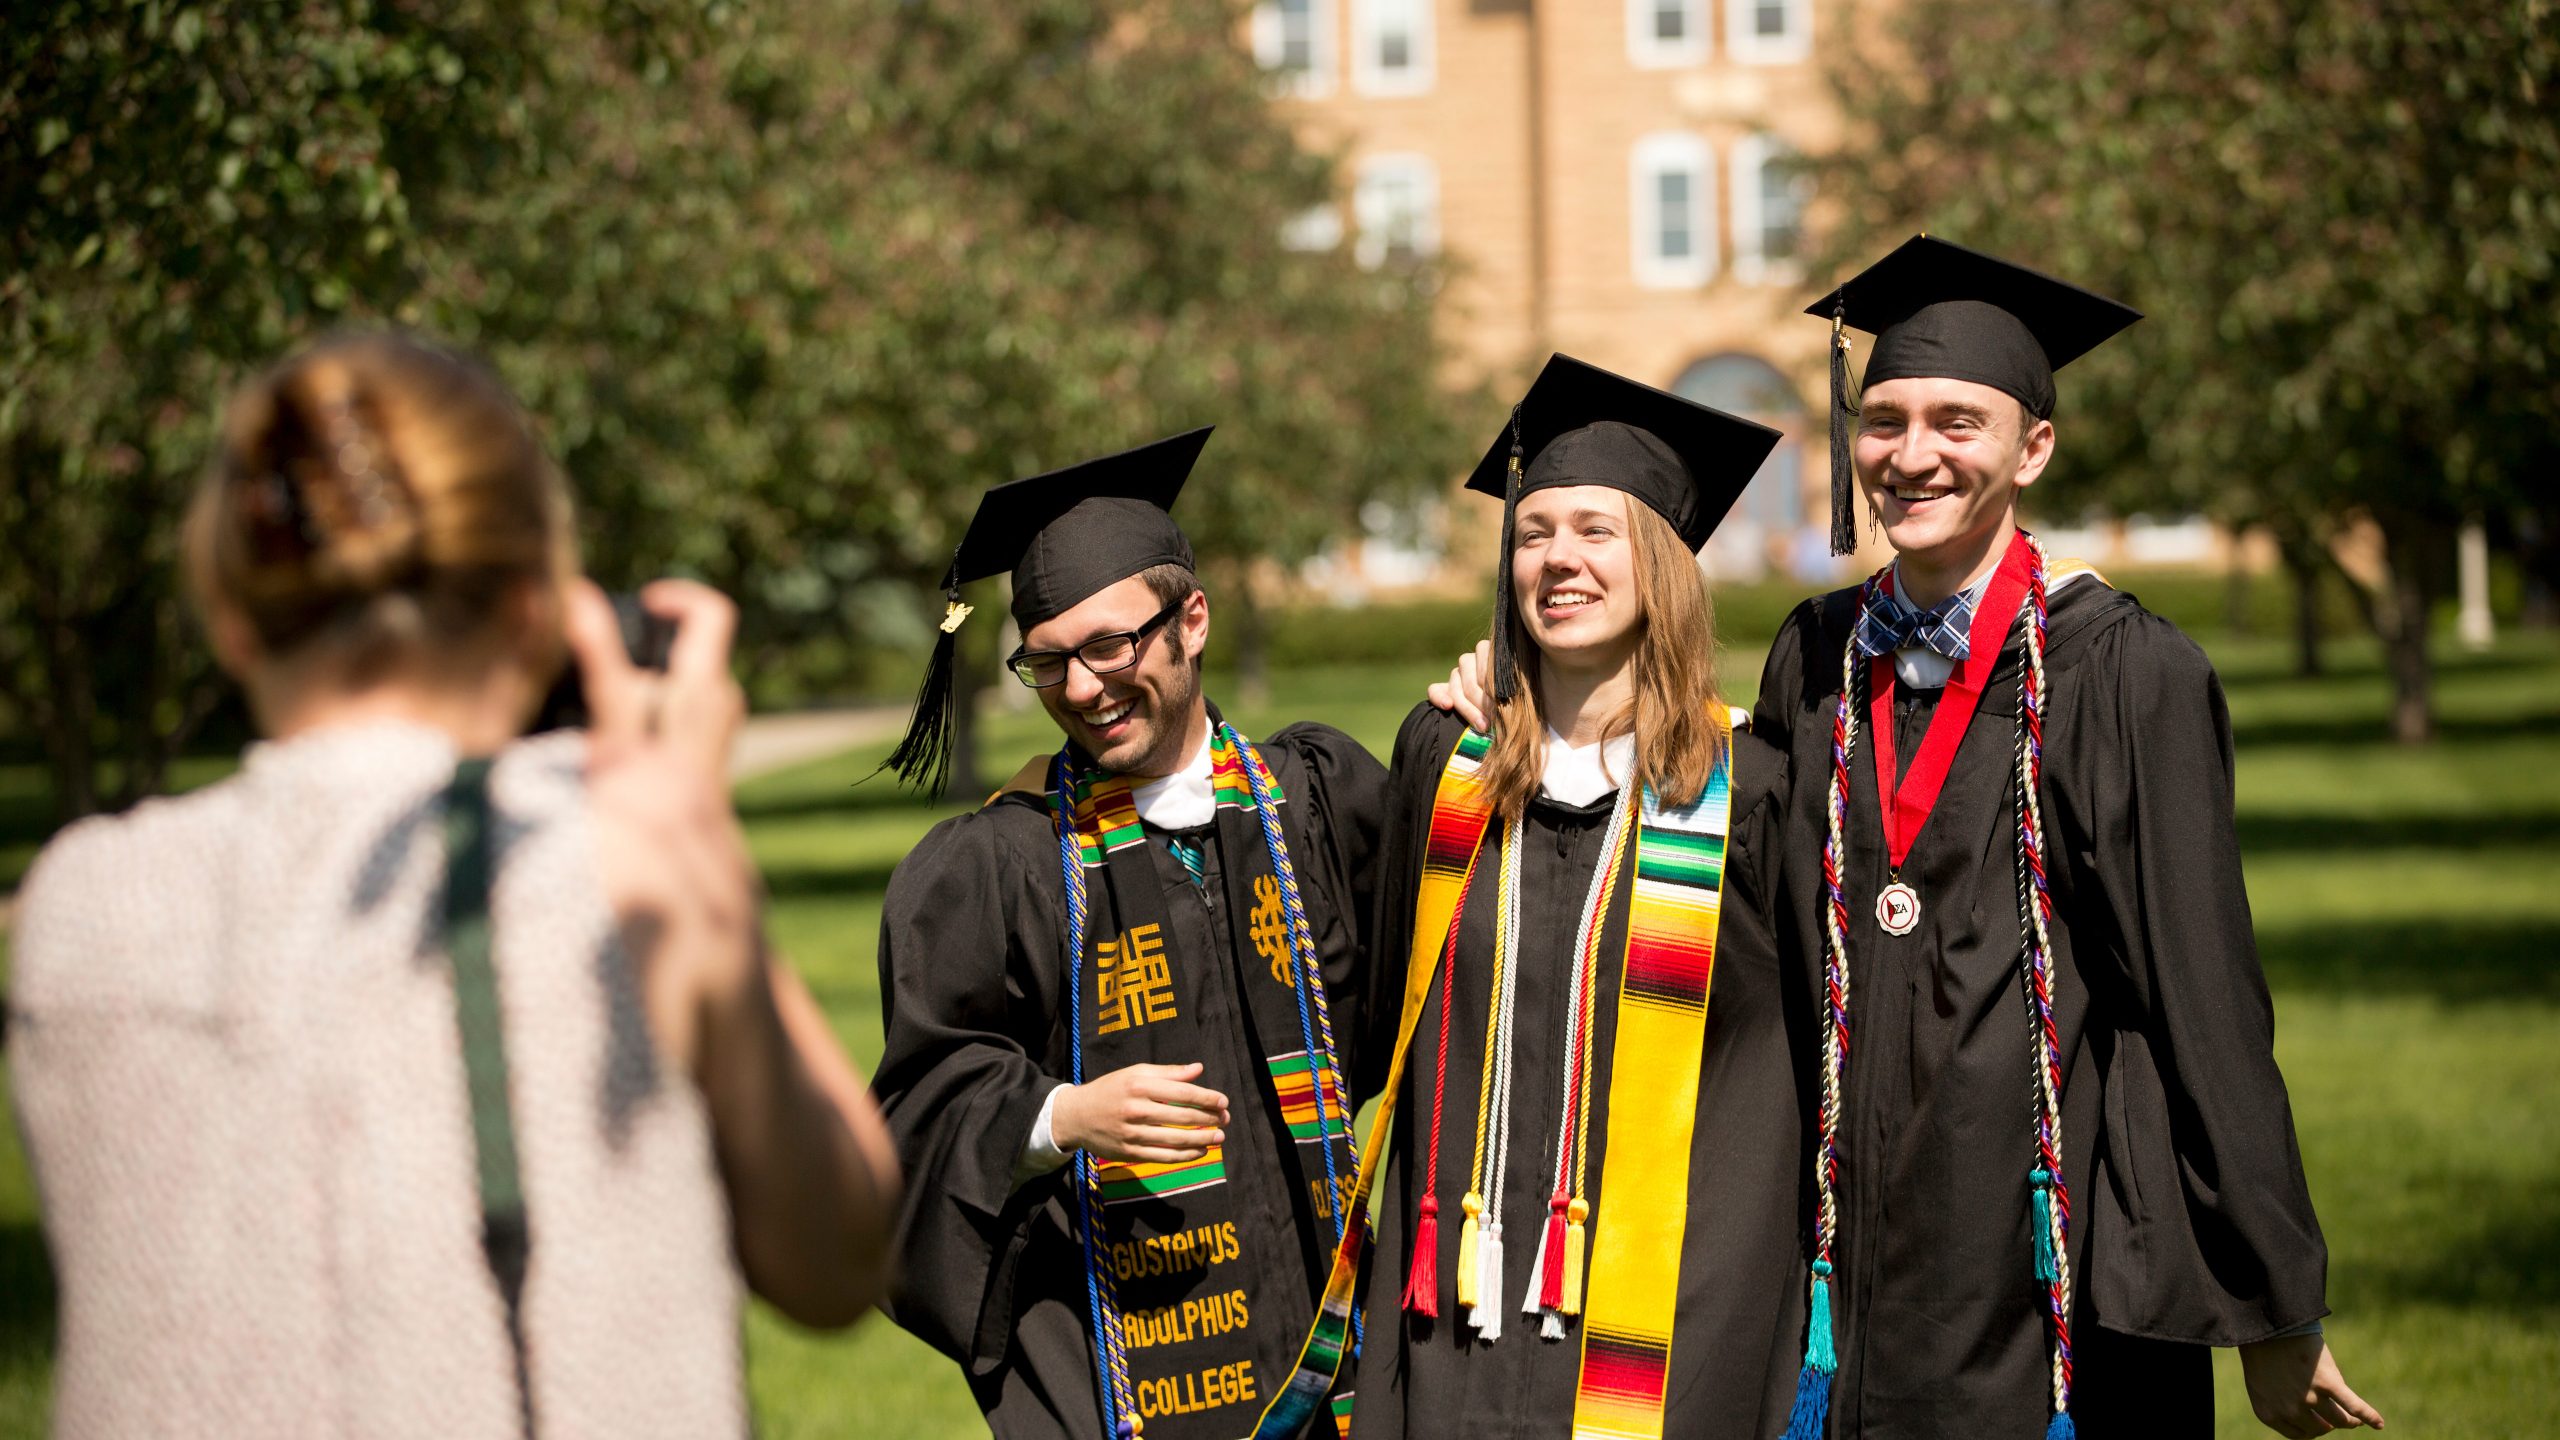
[(788, 288), (2341, 215)]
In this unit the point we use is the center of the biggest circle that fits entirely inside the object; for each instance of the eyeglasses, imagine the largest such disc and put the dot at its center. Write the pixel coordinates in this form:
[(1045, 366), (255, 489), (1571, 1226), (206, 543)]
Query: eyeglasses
[(1101, 655)]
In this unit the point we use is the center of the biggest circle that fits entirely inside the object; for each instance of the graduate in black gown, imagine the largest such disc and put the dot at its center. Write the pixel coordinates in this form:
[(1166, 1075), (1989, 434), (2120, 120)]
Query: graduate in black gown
[(1673, 1302), (2087, 1061), (1183, 1201)]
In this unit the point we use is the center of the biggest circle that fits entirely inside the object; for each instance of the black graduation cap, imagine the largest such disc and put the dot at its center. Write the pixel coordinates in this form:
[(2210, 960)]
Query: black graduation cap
[(1065, 535), (1582, 425), (1939, 309)]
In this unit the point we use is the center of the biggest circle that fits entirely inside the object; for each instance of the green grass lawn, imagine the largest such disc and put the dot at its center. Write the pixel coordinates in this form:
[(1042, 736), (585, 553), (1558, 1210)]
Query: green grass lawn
[(2406, 911)]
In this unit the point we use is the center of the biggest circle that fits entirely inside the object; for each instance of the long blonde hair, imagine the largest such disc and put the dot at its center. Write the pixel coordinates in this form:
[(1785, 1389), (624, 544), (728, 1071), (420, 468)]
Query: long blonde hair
[(1671, 711)]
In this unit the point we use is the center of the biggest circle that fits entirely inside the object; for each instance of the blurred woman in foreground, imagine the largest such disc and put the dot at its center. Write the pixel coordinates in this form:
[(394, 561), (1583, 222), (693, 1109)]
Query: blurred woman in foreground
[(418, 1079)]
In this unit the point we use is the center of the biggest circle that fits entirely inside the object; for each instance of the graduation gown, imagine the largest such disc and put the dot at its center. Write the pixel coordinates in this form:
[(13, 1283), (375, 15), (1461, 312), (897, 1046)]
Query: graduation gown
[(1741, 1297), (2190, 1222), (972, 976)]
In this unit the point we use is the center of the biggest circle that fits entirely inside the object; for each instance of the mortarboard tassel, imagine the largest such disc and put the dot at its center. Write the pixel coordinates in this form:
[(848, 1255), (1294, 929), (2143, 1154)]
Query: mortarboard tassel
[(923, 757), (1422, 1286), (1505, 663), (1844, 529)]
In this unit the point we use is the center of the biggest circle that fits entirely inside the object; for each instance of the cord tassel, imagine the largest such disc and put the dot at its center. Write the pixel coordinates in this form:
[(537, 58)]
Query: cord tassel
[(1536, 1290), (1488, 1316), (1422, 1286), (1812, 1413), (1570, 1302), (2042, 1179), (1818, 1351), (1551, 1255), (2061, 1428), (1470, 1250)]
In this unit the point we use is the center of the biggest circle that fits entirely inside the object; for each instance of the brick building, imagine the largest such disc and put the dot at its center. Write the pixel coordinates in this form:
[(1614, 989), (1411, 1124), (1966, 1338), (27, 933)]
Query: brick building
[(1607, 178)]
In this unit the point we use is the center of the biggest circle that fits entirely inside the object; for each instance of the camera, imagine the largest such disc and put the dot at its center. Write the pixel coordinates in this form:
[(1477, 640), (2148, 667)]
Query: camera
[(646, 637)]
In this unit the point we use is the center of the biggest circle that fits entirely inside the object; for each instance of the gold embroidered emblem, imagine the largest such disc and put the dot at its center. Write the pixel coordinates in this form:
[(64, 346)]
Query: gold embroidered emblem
[(1269, 931), (1135, 979)]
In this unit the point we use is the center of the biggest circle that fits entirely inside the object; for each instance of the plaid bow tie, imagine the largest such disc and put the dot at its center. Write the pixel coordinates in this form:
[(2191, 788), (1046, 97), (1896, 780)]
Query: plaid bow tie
[(1891, 624)]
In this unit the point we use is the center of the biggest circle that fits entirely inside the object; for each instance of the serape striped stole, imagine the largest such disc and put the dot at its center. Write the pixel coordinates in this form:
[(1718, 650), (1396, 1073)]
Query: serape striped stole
[(1633, 1295), (1459, 815)]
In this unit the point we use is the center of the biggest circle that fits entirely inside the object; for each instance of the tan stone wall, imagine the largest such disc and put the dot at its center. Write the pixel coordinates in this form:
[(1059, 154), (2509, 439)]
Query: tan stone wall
[(1589, 103)]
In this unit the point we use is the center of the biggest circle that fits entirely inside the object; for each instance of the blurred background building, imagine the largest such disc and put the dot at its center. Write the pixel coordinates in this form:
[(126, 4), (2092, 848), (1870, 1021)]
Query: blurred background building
[(1608, 179), (1611, 179)]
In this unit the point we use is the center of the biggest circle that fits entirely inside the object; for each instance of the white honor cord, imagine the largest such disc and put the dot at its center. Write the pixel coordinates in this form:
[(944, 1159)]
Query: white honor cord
[(1594, 904), (1487, 1315)]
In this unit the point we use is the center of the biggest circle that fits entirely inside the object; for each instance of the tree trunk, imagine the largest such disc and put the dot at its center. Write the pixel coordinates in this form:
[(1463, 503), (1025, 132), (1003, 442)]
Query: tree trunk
[(2401, 612), (2236, 584), (2302, 567)]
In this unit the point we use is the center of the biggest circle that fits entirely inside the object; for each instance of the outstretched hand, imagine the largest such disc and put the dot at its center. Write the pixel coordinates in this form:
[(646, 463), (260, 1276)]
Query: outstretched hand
[(2296, 1389), (1466, 692)]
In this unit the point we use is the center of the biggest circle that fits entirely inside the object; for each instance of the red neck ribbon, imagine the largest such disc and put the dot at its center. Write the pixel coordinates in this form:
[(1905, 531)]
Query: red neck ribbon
[(1906, 808)]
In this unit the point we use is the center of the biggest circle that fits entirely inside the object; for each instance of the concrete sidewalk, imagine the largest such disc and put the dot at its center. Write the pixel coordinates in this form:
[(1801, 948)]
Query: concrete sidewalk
[(777, 742)]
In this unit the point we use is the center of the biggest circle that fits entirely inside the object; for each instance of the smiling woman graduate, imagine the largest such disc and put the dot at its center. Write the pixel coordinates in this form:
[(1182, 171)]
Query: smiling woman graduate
[(1588, 1218)]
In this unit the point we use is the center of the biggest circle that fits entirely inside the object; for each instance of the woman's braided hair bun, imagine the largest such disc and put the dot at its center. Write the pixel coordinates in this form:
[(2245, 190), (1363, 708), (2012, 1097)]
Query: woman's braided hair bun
[(378, 491)]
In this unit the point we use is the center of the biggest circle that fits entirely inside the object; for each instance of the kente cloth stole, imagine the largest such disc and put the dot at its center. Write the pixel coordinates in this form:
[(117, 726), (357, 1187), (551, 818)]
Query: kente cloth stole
[(1128, 976)]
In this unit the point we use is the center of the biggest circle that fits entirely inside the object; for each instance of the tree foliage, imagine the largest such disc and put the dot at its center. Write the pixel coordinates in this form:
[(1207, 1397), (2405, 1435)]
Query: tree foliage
[(788, 286), (2341, 215)]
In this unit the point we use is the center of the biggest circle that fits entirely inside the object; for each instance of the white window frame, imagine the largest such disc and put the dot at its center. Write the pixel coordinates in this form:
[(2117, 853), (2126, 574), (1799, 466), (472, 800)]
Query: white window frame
[(1370, 77), (1316, 81), (1743, 44), (1370, 222), (1653, 157), (1649, 53), (1314, 230), (1752, 156)]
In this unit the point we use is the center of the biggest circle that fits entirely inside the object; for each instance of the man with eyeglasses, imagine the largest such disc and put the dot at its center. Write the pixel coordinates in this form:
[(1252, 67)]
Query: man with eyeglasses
[(1118, 997)]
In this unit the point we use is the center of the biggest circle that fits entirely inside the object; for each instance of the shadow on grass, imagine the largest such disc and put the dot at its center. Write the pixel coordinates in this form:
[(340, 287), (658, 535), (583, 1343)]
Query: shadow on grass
[(828, 882), (2502, 1253), (26, 1291), (2275, 671), (2452, 961), (2262, 834), (2356, 728)]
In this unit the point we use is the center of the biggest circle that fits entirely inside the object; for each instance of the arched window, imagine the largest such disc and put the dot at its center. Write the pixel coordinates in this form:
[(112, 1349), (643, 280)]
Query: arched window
[(1770, 524)]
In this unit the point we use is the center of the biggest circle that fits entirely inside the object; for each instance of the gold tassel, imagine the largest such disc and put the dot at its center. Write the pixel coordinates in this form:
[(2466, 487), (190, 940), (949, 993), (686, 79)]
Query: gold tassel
[(1574, 1215), (1467, 1246)]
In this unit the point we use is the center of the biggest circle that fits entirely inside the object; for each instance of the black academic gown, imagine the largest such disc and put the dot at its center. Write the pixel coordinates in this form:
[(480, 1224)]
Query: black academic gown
[(2191, 1224), (972, 975), (1742, 1298)]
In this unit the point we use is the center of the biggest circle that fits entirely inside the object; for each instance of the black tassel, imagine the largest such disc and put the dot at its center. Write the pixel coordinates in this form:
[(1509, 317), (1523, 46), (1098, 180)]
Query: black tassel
[(1844, 488), (1506, 664), (923, 757)]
